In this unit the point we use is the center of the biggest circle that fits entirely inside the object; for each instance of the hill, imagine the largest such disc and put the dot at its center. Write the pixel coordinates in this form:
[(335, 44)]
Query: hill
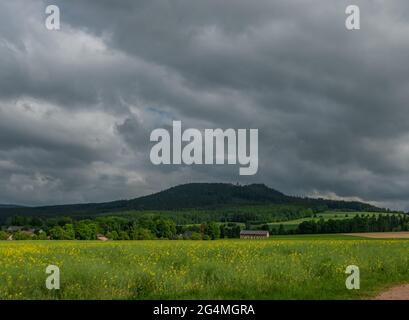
[(207, 196), (10, 206)]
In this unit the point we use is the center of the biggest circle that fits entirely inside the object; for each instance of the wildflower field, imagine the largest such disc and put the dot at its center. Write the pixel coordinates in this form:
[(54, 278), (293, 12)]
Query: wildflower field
[(280, 268)]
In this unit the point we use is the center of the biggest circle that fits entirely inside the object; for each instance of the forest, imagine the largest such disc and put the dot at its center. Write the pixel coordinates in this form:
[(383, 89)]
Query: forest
[(159, 226), (363, 223)]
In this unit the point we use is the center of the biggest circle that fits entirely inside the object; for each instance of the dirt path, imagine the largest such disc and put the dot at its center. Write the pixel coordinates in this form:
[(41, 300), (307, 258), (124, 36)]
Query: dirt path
[(381, 235), (400, 292), (396, 293)]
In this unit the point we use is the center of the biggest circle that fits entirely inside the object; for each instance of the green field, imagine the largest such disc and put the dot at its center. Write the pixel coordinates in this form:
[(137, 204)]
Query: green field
[(304, 267), (327, 215)]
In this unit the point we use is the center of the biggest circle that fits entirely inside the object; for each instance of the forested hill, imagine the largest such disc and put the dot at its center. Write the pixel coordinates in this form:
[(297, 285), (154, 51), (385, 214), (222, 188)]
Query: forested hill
[(192, 196), (9, 206)]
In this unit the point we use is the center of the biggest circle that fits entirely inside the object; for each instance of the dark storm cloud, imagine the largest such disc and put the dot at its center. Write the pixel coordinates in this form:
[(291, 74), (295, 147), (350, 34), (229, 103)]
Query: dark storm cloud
[(77, 106)]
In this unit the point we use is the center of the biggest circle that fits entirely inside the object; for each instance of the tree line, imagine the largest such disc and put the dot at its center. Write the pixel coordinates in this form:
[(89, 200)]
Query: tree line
[(114, 228), (363, 223), (149, 227)]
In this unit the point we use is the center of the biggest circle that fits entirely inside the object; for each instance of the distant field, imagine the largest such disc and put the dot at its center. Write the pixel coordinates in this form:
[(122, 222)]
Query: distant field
[(381, 235), (318, 237), (334, 215), (283, 267), (327, 215)]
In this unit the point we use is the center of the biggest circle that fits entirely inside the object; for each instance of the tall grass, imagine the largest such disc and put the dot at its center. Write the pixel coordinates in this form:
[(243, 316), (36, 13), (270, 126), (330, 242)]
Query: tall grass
[(233, 269)]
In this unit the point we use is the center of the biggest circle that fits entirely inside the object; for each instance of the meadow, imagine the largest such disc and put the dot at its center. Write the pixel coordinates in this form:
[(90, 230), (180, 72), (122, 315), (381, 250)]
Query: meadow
[(292, 224), (296, 267)]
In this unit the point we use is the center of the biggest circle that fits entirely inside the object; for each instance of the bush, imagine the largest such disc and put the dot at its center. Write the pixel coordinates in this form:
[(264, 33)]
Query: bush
[(112, 235), (142, 234), (3, 235), (123, 235), (196, 236), (21, 235), (41, 236), (86, 230), (57, 233)]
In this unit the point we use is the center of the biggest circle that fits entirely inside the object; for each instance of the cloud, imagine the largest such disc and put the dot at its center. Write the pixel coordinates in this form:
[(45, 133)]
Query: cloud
[(77, 106)]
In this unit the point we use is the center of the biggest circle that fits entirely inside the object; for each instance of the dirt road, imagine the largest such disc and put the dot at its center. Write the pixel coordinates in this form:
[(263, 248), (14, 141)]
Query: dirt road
[(396, 293), (382, 235)]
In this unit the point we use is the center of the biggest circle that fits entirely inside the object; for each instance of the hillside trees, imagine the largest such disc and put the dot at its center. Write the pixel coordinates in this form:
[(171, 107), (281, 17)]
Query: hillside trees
[(380, 223), (3, 235), (86, 230), (212, 230)]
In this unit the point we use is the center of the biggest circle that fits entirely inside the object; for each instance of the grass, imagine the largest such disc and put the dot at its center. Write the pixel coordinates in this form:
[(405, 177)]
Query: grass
[(286, 267), (318, 237), (334, 215)]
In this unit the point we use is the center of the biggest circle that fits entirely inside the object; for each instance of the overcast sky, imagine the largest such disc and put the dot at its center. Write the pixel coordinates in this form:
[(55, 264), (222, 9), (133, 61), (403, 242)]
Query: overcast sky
[(77, 105)]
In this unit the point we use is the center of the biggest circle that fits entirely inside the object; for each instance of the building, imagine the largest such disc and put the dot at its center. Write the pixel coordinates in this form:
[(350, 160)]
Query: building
[(14, 228), (101, 237), (254, 234)]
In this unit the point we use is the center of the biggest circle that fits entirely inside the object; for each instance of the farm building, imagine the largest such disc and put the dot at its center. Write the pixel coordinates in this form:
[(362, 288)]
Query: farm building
[(101, 237), (14, 228), (254, 234)]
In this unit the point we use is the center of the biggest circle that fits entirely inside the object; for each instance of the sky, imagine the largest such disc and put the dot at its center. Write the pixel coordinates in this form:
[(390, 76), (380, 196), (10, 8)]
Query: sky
[(77, 105)]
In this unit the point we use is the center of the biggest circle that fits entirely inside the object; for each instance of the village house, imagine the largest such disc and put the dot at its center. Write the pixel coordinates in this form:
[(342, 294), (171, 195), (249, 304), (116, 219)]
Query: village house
[(254, 234), (14, 228), (101, 237)]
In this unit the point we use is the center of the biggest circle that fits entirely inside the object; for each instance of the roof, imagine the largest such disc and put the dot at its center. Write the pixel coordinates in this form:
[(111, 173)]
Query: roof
[(14, 228), (254, 232), (102, 237)]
